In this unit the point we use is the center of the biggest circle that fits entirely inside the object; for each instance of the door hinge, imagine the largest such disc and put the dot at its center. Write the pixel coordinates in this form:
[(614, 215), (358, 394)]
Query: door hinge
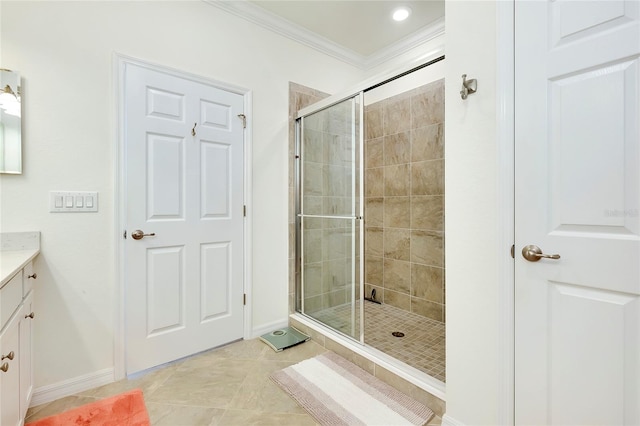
[(513, 251), (124, 235), (244, 299), (244, 211), (244, 120)]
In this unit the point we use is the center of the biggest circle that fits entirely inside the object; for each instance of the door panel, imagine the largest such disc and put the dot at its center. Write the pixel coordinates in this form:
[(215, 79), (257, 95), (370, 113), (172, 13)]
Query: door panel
[(329, 215), (215, 115), (577, 195), (184, 185), (165, 105), (605, 315), (165, 177), (215, 179), (216, 279), (587, 192), (580, 19), (165, 289)]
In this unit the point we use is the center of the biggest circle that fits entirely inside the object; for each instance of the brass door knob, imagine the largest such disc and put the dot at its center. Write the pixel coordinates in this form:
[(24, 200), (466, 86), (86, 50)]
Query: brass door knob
[(31, 315), (34, 276), (10, 355), (5, 367), (138, 234), (534, 253)]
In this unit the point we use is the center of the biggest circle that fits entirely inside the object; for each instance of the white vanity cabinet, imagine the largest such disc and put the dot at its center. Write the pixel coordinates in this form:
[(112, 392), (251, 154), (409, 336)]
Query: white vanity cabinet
[(16, 343), (26, 318), (10, 373)]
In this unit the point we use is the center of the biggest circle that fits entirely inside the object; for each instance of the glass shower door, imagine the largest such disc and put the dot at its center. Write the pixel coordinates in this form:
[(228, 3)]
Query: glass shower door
[(329, 207)]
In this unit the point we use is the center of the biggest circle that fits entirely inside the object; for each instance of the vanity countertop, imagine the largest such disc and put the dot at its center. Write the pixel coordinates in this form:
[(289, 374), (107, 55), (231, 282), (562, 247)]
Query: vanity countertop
[(11, 261), (17, 249)]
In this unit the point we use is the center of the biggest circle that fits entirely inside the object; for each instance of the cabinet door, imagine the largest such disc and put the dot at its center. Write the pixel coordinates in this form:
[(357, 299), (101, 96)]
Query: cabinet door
[(26, 316), (10, 379), (29, 278)]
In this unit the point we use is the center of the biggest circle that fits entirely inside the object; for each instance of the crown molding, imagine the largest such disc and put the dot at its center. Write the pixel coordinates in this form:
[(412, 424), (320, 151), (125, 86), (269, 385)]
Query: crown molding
[(259, 16), (275, 23), (431, 31)]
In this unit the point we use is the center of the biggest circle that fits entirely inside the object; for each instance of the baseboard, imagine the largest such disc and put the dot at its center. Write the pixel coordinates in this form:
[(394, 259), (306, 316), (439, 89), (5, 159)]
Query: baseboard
[(268, 328), (49, 393), (450, 421)]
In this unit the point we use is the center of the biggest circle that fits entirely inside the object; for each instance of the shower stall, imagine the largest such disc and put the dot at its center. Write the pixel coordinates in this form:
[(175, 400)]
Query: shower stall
[(369, 217)]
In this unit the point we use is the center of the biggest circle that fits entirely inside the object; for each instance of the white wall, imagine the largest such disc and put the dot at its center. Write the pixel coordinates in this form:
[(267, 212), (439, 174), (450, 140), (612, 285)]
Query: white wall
[(64, 51), (472, 217)]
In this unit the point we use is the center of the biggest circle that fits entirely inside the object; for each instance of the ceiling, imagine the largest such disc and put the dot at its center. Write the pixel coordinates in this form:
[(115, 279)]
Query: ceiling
[(358, 32), (362, 26)]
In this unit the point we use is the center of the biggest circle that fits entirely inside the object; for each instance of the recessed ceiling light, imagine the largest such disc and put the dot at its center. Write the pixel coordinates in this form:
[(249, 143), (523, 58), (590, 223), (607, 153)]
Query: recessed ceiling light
[(401, 13)]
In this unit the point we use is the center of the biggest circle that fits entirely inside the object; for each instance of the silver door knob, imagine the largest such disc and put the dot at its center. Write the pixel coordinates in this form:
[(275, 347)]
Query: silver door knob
[(533, 254), (138, 234)]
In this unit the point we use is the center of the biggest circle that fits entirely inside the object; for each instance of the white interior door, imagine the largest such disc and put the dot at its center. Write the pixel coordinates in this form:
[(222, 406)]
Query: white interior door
[(184, 186), (577, 195)]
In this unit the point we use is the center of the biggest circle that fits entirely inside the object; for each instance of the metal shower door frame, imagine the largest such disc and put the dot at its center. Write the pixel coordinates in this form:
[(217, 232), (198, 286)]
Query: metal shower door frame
[(357, 110)]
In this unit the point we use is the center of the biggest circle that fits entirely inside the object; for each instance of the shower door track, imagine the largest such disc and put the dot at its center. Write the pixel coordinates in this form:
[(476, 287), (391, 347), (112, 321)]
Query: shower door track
[(317, 216), (365, 87)]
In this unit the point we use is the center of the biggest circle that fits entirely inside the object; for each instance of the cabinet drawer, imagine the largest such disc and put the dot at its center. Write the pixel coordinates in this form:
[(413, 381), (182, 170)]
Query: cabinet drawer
[(29, 277), (10, 298)]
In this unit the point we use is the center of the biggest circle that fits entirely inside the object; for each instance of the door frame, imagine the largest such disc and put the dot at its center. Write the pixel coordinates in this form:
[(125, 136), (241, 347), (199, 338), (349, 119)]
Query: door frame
[(119, 63), (505, 140)]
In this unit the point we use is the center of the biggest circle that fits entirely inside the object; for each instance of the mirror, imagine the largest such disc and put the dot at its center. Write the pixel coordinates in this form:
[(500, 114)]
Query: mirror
[(10, 122)]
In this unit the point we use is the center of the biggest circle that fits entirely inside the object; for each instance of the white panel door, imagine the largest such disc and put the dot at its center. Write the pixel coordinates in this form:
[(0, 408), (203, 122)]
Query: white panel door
[(184, 185), (577, 195)]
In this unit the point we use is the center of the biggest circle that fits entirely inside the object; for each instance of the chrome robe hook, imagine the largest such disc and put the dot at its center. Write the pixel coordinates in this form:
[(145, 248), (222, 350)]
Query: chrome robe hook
[(468, 86)]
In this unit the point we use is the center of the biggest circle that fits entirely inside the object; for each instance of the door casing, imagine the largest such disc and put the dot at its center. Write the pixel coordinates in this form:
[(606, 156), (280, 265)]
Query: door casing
[(505, 140), (119, 62)]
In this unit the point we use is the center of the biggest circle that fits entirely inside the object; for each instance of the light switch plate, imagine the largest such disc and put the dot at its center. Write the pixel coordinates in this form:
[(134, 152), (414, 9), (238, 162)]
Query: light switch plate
[(73, 201)]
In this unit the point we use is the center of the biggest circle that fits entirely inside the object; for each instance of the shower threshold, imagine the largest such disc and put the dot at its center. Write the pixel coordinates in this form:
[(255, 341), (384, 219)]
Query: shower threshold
[(414, 376), (406, 336)]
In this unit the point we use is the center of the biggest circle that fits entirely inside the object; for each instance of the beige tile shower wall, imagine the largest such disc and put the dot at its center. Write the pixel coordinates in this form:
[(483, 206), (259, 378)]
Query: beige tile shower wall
[(404, 200), (299, 97)]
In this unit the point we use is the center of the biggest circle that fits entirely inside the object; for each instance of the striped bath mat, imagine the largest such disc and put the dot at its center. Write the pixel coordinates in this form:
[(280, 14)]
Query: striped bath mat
[(337, 392)]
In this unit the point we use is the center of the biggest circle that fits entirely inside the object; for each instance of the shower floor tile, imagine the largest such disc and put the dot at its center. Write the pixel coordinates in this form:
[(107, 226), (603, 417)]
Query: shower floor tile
[(423, 344)]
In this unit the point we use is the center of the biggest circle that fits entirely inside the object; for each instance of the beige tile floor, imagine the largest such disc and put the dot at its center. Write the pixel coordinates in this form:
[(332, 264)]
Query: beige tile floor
[(224, 386), (423, 343)]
